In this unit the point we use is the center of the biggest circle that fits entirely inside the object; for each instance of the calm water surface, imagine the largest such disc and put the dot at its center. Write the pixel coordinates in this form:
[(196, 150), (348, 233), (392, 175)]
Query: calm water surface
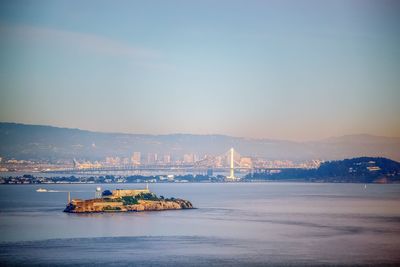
[(253, 224)]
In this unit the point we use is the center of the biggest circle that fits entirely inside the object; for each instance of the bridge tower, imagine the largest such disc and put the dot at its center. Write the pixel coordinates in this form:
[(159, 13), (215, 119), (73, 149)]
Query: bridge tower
[(232, 167)]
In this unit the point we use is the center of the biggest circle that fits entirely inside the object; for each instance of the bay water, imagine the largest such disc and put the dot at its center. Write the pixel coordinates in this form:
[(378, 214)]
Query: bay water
[(234, 224)]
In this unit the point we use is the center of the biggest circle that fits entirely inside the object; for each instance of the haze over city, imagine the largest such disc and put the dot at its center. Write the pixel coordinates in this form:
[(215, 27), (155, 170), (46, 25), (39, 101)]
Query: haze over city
[(302, 70)]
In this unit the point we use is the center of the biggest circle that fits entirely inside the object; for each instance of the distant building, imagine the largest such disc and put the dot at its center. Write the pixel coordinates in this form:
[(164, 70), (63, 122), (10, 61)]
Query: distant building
[(167, 158), (162, 178), (218, 161), (125, 161), (188, 158), (152, 158), (86, 165), (246, 162), (109, 160), (373, 168), (136, 158), (128, 193), (113, 161)]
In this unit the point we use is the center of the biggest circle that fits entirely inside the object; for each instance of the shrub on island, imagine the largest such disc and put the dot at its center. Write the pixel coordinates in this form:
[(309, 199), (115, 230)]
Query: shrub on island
[(129, 200)]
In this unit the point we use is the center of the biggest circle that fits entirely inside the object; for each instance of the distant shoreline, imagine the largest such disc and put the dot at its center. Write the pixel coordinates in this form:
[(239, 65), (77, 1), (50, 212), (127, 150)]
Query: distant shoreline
[(235, 182)]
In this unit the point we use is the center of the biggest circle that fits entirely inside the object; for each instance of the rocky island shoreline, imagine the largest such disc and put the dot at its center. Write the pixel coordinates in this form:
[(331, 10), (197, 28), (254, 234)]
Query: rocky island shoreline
[(122, 200)]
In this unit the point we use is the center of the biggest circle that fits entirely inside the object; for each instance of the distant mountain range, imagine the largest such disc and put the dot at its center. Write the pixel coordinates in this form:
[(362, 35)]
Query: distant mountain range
[(35, 142)]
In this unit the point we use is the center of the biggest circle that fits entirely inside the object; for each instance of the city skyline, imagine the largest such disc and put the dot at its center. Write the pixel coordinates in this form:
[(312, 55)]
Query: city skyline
[(279, 69)]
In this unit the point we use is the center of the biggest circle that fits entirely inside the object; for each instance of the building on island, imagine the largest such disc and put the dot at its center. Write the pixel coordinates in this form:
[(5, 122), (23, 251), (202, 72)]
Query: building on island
[(107, 202), (117, 193)]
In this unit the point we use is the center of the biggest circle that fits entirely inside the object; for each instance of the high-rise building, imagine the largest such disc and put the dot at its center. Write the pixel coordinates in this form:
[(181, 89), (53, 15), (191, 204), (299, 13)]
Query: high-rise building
[(167, 158), (113, 161), (188, 158), (125, 161), (152, 158), (136, 158)]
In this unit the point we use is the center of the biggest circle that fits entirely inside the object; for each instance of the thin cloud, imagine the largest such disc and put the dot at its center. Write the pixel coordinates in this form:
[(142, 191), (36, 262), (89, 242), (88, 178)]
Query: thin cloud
[(75, 40)]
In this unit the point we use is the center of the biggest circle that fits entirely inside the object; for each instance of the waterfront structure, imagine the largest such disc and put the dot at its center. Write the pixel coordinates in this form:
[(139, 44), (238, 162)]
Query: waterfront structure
[(231, 176), (86, 164)]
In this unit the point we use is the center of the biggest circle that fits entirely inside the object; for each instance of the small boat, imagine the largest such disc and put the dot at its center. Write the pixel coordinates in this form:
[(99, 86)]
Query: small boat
[(41, 190)]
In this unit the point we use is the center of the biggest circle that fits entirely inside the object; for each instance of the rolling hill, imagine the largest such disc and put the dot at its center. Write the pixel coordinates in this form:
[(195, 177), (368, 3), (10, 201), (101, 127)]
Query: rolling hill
[(23, 141)]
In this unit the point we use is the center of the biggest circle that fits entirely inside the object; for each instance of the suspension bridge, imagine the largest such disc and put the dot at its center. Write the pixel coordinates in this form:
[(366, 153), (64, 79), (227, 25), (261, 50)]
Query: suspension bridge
[(230, 160)]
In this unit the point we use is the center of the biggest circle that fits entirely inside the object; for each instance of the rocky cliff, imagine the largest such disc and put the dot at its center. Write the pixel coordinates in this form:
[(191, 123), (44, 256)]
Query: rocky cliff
[(103, 205)]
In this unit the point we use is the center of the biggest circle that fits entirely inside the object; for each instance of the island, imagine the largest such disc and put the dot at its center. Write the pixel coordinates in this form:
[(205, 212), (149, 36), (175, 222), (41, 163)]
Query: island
[(123, 200)]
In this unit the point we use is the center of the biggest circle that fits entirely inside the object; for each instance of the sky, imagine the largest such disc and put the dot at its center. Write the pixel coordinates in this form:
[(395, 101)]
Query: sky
[(297, 70)]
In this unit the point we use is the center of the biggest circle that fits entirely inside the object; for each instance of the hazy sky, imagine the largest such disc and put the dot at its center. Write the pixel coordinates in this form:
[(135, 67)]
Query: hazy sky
[(296, 70)]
